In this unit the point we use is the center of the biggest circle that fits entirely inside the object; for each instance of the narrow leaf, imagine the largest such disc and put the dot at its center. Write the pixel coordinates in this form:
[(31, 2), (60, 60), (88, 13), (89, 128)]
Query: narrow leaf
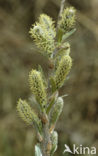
[(38, 150), (68, 34)]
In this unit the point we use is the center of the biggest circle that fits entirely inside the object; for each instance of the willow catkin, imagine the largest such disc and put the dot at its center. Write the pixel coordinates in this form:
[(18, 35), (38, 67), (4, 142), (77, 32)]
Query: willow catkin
[(27, 114), (62, 70), (38, 88), (43, 32), (68, 19)]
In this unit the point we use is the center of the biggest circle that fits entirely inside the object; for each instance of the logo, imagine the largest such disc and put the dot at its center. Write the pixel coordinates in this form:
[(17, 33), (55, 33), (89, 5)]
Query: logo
[(80, 150)]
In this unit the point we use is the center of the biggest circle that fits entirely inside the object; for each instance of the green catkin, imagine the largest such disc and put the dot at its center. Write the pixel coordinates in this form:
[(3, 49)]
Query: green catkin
[(43, 33), (55, 113), (27, 114), (64, 50), (54, 139), (38, 88), (68, 19), (46, 21), (48, 24), (62, 70)]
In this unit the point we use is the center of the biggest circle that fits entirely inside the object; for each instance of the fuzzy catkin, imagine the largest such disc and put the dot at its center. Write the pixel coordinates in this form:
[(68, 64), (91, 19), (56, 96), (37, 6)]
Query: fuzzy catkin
[(62, 70), (27, 114), (43, 33), (48, 24), (38, 88), (68, 19), (64, 50)]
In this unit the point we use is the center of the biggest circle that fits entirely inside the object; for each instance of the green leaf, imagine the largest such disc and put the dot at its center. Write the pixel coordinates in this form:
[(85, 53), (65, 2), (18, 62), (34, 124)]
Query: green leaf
[(53, 99), (42, 74), (38, 150), (59, 35), (53, 86), (54, 139), (68, 34)]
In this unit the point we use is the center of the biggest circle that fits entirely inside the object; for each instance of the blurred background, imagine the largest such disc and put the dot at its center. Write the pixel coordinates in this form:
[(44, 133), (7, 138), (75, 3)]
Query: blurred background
[(78, 123)]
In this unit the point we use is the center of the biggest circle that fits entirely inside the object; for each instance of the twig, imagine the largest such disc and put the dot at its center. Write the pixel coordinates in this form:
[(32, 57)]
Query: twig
[(59, 17), (61, 10)]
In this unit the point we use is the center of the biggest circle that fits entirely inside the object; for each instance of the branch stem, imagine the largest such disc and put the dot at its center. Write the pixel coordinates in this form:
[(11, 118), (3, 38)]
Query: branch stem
[(61, 11), (57, 28), (46, 143)]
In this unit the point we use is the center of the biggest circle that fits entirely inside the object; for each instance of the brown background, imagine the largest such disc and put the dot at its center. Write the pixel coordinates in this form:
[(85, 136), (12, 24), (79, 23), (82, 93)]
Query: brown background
[(78, 123)]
